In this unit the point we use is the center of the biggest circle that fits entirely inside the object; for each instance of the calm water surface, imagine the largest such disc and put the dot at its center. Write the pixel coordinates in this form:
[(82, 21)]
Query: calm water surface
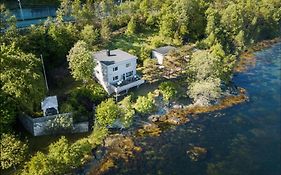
[(244, 139)]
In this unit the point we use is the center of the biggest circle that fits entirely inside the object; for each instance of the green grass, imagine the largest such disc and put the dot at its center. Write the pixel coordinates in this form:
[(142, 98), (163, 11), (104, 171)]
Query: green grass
[(131, 42)]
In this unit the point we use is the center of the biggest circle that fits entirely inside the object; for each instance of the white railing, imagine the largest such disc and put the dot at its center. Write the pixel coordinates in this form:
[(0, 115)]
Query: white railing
[(118, 89)]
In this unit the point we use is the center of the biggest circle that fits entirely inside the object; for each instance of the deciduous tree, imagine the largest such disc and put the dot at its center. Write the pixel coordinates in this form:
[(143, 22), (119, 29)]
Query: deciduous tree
[(81, 62), (13, 151)]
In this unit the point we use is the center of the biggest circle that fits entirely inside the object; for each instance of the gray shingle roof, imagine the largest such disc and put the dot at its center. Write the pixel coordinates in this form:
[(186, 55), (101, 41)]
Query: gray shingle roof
[(164, 50), (115, 56)]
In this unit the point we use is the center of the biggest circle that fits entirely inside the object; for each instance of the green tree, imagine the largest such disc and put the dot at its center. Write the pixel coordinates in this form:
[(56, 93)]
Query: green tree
[(107, 112), (8, 111), (89, 35), (132, 26), (105, 31), (81, 62), (98, 135), (169, 90), (205, 91), (39, 164), (145, 104), (13, 151), (127, 111), (21, 76), (151, 71)]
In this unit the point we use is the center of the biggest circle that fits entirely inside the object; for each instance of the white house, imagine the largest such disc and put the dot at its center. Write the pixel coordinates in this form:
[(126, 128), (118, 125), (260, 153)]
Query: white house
[(50, 106), (161, 52), (116, 70)]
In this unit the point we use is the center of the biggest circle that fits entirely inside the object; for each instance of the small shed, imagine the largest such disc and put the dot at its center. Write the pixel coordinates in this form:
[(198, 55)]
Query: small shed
[(161, 52), (50, 106)]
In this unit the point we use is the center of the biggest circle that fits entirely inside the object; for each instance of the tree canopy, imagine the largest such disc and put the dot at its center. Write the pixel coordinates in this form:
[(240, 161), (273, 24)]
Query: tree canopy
[(81, 62)]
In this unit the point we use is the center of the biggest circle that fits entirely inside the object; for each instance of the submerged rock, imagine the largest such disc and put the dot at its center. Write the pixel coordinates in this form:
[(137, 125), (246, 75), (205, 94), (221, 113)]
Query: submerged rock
[(197, 153), (175, 117), (149, 129)]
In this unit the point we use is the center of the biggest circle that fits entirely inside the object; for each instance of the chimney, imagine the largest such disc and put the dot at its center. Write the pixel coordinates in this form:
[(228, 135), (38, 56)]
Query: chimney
[(108, 52)]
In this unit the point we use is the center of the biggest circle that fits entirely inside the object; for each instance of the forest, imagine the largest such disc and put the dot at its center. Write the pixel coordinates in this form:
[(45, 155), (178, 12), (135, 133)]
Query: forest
[(213, 33)]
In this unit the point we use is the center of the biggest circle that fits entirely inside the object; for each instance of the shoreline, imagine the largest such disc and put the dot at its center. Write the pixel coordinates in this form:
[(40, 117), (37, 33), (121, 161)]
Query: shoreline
[(175, 116), (247, 58)]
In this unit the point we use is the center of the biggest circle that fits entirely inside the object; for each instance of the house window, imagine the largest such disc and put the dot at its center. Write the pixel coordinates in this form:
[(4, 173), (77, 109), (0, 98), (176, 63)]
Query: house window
[(115, 78), (97, 72), (128, 64), (115, 68), (128, 74)]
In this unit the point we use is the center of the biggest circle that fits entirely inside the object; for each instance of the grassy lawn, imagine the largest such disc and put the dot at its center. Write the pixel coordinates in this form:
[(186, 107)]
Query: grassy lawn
[(131, 42)]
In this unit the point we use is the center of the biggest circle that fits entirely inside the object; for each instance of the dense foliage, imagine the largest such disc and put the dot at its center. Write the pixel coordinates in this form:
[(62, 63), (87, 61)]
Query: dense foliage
[(107, 112), (13, 151), (81, 62), (220, 29), (145, 104), (61, 158)]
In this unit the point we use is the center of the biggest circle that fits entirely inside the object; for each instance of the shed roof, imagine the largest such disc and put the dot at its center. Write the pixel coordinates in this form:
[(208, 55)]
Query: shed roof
[(114, 57), (49, 102), (164, 50)]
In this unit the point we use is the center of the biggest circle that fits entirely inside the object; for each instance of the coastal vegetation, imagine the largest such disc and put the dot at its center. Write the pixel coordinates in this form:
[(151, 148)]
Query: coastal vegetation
[(210, 37)]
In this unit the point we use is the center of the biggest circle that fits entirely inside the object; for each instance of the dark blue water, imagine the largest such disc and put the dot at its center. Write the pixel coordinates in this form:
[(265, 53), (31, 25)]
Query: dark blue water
[(242, 140)]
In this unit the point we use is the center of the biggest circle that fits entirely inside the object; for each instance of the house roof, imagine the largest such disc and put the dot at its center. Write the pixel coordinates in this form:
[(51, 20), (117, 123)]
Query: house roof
[(164, 50), (49, 102), (114, 57)]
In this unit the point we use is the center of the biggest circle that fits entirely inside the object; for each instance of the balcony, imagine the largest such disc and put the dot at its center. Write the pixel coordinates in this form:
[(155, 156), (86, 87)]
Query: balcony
[(125, 85)]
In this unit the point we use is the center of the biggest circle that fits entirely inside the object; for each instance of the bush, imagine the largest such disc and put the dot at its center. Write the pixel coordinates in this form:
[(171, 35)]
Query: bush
[(98, 135), (107, 112), (127, 111), (13, 151), (145, 104), (61, 158), (169, 90)]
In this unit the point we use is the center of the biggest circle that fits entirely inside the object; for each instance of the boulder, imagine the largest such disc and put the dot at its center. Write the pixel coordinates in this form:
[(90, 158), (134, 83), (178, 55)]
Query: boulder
[(197, 153)]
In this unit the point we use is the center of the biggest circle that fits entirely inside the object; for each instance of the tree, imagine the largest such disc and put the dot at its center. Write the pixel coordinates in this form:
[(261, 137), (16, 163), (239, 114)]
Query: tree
[(107, 112), (89, 35), (175, 62), (145, 104), (13, 151), (127, 111), (151, 71), (205, 91), (202, 65), (8, 111), (81, 62), (105, 31), (132, 26), (168, 89), (61, 37), (39, 164), (21, 76)]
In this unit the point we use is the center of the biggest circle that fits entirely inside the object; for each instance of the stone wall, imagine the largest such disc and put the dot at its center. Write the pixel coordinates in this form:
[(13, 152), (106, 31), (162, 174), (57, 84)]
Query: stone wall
[(56, 124)]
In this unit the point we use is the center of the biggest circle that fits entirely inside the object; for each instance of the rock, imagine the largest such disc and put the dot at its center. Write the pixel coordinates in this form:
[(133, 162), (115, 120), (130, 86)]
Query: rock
[(150, 129), (154, 118), (177, 106), (197, 153), (174, 121)]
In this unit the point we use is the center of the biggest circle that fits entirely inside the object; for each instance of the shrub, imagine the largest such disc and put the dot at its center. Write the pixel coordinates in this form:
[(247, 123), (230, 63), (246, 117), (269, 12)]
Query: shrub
[(144, 104), (168, 89), (107, 112), (13, 151)]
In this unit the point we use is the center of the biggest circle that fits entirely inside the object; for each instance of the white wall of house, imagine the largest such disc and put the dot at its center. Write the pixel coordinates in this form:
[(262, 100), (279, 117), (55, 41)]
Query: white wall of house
[(109, 74), (125, 70), (158, 56)]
